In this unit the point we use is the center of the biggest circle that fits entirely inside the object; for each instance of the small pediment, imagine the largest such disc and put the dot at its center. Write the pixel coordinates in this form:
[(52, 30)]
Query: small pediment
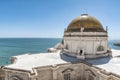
[(15, 77), (67, 70)]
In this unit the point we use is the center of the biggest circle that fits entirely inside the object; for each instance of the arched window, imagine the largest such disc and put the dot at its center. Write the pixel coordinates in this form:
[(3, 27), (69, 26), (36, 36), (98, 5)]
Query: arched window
[(16, 78), (100, 48), (67, 74)]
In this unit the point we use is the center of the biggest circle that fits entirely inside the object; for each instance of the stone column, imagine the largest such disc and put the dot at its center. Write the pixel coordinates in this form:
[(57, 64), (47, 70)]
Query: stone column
[(54, 68)]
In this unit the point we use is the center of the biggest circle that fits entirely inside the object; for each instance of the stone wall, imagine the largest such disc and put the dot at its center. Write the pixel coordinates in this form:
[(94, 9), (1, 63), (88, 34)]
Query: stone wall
[(77, 70), (68, 71), (2, 74), (44, 73), (57, 72), (98, 73), (16, 75), (77, 44)]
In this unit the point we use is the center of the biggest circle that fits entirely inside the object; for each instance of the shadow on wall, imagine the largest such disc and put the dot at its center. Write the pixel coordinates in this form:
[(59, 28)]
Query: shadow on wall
[(99, 61), (68, 58)]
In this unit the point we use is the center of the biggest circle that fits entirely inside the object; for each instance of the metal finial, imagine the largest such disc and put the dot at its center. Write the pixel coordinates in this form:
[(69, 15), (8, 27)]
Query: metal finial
[(106, 28)]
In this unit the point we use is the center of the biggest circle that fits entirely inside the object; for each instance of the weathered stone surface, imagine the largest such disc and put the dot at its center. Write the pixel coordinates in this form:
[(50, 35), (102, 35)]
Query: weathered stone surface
[(74, 71), (2, 74)]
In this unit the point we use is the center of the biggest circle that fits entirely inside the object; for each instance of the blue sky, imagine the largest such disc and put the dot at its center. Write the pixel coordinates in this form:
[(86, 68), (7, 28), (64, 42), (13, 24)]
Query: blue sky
[(49, 18)]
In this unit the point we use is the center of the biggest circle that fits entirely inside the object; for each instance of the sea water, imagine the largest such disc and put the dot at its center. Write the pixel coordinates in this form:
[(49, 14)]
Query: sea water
[(17, 46), (111, 44)]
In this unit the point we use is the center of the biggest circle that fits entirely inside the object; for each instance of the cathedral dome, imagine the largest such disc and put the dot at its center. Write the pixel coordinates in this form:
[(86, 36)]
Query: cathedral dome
[(89, 23)]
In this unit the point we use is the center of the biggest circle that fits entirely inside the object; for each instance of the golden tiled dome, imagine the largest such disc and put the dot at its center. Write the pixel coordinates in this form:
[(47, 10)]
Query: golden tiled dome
[(89, 23)]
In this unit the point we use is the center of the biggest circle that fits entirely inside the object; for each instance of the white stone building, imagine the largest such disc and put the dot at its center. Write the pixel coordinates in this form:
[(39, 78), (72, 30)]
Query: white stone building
[(84, 38)]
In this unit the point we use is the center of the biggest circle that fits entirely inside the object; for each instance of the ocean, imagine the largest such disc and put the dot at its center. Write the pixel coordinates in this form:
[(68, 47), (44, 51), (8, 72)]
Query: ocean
[(17, 46)]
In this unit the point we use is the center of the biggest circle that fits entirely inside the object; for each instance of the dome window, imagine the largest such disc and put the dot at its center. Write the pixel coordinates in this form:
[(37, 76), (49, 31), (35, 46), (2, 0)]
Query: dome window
[(100, 48)]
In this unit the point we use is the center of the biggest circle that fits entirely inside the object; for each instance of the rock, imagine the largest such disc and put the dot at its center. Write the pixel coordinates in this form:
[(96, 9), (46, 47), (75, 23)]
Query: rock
[(117, 44)]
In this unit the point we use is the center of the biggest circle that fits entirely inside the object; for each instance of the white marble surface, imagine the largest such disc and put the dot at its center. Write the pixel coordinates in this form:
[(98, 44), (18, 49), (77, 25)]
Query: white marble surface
[(29, 61), (109, 64)]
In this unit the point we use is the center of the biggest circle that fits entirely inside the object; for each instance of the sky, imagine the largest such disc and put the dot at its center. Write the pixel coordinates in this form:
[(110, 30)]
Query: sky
[(49, 18)]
